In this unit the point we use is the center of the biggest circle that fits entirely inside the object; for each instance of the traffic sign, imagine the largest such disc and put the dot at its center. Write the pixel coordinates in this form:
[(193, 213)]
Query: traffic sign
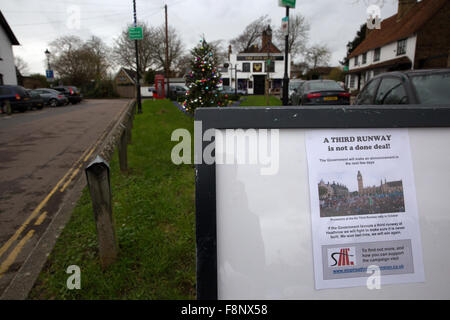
[(135, 33), (286, 3), (49, 74)]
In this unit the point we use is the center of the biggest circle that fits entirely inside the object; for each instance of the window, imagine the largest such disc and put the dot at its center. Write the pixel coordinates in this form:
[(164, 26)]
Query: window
[(377, 54), (432, 88), (352, 81), (250, 84), (367, 94), (364, 58), (401, 47), (1, 79), (356, 60), (246, 67), (391, 91), (271, 66)]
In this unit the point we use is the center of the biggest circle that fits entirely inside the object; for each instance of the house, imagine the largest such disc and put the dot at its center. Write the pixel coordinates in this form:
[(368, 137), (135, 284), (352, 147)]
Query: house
[(417, 37), (251, 69), (7, 65), (125, 83)]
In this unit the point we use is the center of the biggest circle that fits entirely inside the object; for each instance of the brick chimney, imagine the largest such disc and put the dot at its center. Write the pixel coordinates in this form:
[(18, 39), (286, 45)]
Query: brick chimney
[(230, 51), (266, 37), (403, 7)]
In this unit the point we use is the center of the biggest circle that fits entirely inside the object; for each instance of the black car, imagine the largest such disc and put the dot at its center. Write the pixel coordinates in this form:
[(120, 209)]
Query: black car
[(18, 97), (320, 92), (410, 87), (36, 100), (72, 93)]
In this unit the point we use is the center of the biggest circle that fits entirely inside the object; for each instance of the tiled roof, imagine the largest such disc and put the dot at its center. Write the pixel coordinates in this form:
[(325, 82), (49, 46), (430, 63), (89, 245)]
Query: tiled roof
[(391, 30), (8, 30), (131, 73)]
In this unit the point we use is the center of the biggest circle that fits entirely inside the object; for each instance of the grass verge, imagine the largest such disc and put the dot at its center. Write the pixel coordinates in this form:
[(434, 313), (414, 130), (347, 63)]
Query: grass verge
[(260, 101), (154, 212)]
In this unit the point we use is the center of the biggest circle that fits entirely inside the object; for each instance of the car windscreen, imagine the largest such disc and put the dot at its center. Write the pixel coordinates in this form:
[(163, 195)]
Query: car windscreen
[(323, 86), (294, 85), (432, 88)]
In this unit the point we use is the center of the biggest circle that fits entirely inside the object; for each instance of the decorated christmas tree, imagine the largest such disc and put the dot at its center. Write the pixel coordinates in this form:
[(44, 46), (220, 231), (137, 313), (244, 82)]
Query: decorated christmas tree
[(203, 79)]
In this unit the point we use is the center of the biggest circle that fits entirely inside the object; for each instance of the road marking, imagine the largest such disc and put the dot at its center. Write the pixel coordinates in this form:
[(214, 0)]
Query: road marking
[(36, 211), (15, 252), (75, 172), (41, 219), (13, 255)]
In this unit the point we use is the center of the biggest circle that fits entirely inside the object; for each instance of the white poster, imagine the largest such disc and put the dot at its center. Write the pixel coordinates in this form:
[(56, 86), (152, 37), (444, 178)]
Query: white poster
[(364, 212)]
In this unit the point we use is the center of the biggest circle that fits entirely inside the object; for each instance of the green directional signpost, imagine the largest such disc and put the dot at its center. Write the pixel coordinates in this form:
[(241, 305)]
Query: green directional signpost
[(135, 33), (288, 4)]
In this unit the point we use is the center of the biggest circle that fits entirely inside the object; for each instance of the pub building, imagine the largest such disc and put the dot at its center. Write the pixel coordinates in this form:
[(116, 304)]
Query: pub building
[(252, 67)]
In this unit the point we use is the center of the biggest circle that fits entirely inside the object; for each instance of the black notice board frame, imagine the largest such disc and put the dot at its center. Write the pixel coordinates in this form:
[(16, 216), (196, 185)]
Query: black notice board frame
[(323, 117)]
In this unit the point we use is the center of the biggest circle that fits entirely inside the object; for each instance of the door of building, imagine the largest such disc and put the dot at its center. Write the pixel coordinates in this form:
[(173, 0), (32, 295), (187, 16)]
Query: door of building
[(259, 84)]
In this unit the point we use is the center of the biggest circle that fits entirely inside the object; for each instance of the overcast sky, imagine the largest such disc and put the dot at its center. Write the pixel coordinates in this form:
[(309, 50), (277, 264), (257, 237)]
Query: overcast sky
[(37, 22)]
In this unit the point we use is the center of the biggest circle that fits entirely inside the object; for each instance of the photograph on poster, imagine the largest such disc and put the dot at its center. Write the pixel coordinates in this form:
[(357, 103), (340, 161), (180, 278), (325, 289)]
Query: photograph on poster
[(338, 198)]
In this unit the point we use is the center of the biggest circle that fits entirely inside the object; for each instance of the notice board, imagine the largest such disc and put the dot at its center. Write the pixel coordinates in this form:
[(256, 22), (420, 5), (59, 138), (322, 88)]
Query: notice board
[(263, 226)]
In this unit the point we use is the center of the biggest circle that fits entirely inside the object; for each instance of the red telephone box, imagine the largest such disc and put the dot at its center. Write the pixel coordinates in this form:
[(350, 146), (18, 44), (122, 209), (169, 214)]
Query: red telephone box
[(160, 86)]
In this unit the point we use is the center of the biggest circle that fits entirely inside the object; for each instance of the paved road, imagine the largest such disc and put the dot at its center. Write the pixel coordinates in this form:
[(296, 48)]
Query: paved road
[(42, 153)]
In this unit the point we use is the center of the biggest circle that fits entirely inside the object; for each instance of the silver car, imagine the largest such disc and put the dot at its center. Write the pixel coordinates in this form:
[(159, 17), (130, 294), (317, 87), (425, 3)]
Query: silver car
[(52, 97)]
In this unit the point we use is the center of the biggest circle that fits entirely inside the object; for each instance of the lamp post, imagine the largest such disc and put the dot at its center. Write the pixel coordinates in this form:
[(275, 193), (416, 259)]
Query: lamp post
[(47, 54), (138, 78), (286, 77), (268, 64)]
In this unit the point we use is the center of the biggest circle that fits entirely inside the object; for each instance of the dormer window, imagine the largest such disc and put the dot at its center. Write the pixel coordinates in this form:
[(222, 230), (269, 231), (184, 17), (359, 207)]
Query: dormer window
[(401, 47)]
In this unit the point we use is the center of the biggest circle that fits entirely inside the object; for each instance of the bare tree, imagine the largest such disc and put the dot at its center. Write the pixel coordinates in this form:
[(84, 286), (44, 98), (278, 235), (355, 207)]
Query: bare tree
[(78, 62), (176, 48), (298, 35), (318, 55), (99, 57), (21, 65), (251, 35), (124, 53)]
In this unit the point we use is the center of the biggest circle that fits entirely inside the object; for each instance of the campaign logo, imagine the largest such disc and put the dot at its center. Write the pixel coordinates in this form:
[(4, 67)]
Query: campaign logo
[(340, 257)]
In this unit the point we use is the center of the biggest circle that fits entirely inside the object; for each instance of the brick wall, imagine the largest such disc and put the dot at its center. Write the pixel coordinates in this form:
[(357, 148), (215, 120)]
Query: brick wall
[(433, 42)]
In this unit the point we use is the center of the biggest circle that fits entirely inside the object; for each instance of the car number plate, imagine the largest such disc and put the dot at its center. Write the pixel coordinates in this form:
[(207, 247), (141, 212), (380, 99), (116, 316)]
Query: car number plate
[(330, 98)]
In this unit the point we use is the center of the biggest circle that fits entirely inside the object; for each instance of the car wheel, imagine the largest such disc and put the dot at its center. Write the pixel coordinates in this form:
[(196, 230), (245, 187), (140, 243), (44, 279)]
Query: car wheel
[(53, 103)]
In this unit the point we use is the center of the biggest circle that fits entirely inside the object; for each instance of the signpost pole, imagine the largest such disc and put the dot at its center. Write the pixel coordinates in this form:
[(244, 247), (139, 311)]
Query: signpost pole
[(138, 78), (286, 77)]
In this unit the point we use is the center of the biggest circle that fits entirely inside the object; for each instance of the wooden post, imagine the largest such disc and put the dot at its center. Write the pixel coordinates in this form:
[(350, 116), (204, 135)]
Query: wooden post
[(129, 126), (97, 173), (8, 107), (123, 145)]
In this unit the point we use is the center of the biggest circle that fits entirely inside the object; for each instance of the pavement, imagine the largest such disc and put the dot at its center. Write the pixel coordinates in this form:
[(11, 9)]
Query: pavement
[(42, 156)]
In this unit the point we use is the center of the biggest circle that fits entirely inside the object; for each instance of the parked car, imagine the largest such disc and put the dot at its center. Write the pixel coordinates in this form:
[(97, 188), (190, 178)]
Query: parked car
[(410, 87), (18, 97), (36, 100), (52, 97), (72, 93), (177, 90), (321, 92), (230, 90), (294, 87)]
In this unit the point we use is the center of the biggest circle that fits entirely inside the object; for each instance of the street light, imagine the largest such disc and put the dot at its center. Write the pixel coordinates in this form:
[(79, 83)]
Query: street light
[(47, 54)]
